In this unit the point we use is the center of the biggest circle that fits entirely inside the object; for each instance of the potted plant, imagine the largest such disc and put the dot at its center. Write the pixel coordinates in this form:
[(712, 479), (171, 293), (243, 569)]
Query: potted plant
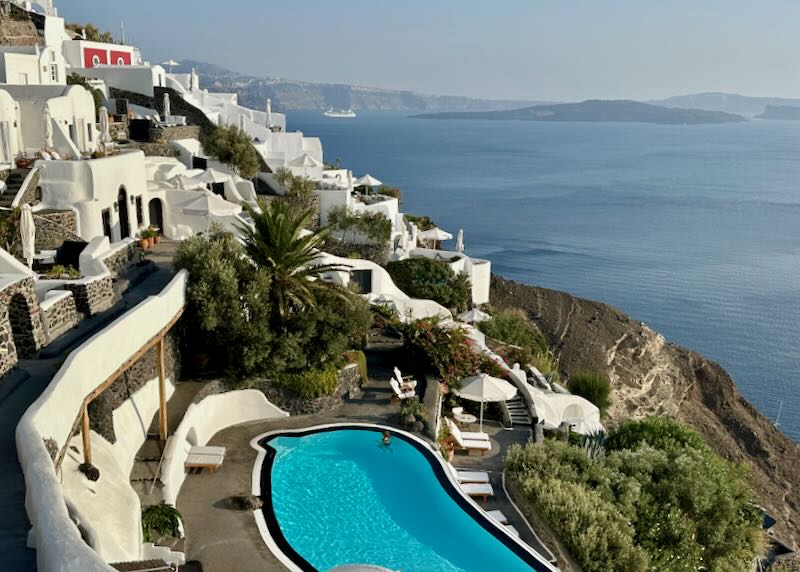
[(446, 445), (155, 233), (144, 243)]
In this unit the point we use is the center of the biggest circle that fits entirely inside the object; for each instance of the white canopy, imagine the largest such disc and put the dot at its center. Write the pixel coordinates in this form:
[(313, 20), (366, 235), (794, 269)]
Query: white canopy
[(435, 234), (167, 106), (304, 160), (460, 240), (474, 316), (213, 176), (210, 204), (170, 63), (105, 133), (27, 231), (485, 388), (367, 181)]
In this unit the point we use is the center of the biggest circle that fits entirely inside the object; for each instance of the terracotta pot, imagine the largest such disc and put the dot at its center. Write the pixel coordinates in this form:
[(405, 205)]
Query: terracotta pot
[(150, 241), (143, 244), (451, 455), (157, 238)]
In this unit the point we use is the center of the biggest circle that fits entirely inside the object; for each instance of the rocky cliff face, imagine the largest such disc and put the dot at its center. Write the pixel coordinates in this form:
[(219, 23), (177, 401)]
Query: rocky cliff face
[(651, 376)]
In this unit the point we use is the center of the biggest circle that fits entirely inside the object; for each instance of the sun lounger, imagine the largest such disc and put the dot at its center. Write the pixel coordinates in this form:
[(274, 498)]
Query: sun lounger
[(472, 476), (498, 516), (398, 393), (207, 450), (481, 445), (405, 382), (475, 435), (482, 490), (512, 530), (204, 461)]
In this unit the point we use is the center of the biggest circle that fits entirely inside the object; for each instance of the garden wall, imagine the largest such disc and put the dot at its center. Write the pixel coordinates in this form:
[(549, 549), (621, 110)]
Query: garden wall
[(349, 387)]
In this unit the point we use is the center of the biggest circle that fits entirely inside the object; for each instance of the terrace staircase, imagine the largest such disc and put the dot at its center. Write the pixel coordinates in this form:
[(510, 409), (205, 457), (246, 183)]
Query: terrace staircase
[(13, 185), (520, 416)]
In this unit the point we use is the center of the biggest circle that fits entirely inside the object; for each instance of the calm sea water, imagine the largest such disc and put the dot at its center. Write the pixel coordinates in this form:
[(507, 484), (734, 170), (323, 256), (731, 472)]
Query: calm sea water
[(694, 230)]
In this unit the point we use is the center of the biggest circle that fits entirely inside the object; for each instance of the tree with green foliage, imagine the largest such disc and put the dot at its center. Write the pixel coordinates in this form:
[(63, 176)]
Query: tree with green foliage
[(374, 226), (592, 386), (430, 279), (277, 245), (232, 146), (93, 33), (512, 326), (162, 518), (672, 507), (229, 305)]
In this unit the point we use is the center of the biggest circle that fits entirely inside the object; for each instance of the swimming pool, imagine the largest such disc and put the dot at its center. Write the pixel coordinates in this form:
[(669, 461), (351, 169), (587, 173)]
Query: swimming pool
[(337, 495)]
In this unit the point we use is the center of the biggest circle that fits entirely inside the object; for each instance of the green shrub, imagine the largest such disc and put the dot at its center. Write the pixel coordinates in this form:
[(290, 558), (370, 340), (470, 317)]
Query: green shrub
[(299, 190), (310, 383), (592, 386), (512, 326), (678, 503), (374, 226), (232, 146), (432, 280), (162, 518), (393, 192), (423, 222), (412, 406), (59, 272), (358, 357), (547, 364)]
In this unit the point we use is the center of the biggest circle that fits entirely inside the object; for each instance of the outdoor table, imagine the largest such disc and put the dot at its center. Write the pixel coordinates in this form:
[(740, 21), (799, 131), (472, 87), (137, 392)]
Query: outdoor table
[(464, 418)]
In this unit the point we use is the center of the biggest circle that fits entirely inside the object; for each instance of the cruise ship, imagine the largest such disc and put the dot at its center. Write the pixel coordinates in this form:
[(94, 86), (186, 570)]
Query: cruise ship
[(339, 113)]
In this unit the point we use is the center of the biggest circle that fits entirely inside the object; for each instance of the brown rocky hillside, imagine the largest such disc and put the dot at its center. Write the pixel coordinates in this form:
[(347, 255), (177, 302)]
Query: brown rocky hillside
[(652, 376), (17, 27)]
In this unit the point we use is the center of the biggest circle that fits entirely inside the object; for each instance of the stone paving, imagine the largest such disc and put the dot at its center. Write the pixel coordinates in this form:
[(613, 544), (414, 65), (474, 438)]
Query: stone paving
[(223, 539)]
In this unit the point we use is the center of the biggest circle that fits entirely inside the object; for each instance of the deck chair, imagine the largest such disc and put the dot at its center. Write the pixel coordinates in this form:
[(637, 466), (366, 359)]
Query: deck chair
[(398, 393), (406, 382), (467, 444), (498, 516), (478, 490)]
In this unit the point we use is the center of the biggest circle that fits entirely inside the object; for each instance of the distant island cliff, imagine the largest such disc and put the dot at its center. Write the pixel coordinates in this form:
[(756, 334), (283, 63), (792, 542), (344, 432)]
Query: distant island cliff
[(780, 112), (599, 111)]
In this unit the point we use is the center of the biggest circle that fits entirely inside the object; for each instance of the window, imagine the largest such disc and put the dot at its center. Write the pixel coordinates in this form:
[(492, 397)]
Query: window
[(106, 214), (120, 61), (95, 60), (89, 132), (54, 73), (23, 79), (73, 133), (139, 211)]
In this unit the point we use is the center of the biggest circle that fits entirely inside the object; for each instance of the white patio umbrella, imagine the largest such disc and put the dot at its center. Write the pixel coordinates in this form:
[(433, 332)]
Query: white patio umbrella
[(48, 128), (105, 133), (210, 205), (474, 316), (269, 113), (170, 63), (167, 107), (304, 160), (436, 234), (368, 181), (460, 240), (485, 389), (27, 231)]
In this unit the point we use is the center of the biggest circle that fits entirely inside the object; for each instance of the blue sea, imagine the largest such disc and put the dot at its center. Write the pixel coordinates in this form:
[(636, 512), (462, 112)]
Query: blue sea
[(694, 230)]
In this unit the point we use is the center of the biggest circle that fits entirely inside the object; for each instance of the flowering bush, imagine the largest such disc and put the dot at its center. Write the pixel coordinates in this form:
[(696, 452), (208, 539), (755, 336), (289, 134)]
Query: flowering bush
[(448, 352)]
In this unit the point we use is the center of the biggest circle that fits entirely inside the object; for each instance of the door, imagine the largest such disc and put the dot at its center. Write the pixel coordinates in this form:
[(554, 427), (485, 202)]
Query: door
[(124, 221), (156, 214), (5, 143), (106, 214), (363, 278)]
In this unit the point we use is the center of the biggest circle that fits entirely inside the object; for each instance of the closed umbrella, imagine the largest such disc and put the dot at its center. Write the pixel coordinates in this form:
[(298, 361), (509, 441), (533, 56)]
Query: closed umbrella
[(474, 316), (368, 181), (269, 113), (350, 179), (241, 123), (167, 107), (105, 132), (460, 240), (48, 129), (27, 231), (485, 389), (170, 63)]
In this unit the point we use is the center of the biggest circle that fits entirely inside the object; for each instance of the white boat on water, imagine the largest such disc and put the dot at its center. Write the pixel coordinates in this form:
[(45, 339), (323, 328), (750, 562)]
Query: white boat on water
[(339, 113)]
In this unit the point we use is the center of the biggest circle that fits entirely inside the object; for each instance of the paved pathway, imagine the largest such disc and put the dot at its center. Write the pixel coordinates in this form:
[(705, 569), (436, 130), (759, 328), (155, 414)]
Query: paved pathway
[(24, 385), (224, 539)]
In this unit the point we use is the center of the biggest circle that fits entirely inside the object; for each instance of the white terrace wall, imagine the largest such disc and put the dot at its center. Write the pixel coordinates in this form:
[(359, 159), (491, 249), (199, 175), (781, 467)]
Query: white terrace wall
[(58, 542)]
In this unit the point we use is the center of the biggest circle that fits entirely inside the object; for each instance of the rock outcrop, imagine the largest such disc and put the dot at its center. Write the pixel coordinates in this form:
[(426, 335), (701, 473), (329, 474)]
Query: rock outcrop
[(651, 376)]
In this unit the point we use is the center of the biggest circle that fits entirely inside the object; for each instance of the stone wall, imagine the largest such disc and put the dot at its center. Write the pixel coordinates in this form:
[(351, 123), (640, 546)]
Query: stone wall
[(146, 368), (31, 193), (161, 134), (349, 387), (118, 262), (60, 317), (21, 327), (53, 227), (92, 297)]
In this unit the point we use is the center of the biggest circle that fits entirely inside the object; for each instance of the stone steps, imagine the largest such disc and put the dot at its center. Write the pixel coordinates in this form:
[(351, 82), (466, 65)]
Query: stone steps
[(518, 412), (13, 184)]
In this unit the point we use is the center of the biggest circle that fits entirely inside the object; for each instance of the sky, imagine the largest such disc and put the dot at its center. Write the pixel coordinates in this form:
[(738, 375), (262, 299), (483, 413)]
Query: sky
[(558, 50)]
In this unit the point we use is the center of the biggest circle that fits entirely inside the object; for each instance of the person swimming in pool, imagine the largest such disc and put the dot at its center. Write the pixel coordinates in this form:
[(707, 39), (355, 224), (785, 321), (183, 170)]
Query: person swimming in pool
[(387, 438)]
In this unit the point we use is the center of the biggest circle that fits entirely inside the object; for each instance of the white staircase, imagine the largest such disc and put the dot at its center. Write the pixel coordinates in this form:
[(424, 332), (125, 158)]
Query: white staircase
[(519, 412)]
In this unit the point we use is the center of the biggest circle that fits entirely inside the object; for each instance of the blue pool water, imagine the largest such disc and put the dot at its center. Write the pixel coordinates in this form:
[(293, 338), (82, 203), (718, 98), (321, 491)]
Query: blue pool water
[(341, 497)]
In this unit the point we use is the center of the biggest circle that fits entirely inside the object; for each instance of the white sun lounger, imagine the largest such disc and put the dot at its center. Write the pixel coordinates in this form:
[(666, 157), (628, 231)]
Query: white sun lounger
[(475, 435), (472, 476), (512, 530), (404, 381), (398, 393), (467, 444), (204, 461), (498, 516), (483, 490)]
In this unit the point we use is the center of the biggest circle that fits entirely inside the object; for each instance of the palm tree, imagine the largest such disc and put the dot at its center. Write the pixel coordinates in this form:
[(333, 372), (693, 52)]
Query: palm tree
[(277, 244)]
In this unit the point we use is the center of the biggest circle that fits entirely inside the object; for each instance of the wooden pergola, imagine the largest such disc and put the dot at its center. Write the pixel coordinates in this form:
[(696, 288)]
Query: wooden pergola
[(82, 419)]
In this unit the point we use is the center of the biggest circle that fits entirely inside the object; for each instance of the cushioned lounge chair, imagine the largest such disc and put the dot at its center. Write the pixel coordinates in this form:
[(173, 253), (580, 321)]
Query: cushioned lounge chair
[(398, 393), (468, 444), (498, 516), (405, 382), (478, 490), (471, 476)]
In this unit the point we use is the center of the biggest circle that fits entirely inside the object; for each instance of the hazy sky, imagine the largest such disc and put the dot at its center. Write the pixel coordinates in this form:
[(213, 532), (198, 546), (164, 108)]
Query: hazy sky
[(523, 49)]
